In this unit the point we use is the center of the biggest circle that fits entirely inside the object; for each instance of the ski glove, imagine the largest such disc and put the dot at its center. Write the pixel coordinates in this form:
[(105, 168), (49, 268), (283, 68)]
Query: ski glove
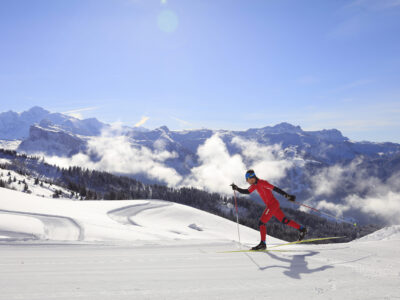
[(284, 194), (236, 188), (291, 197)]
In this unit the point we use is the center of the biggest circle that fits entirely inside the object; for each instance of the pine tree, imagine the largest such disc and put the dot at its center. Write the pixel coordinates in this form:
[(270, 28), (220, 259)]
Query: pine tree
[(26, 188)]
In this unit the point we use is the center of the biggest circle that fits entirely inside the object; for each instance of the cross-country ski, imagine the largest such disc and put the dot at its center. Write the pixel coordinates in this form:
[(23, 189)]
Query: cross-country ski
[(271, 248)]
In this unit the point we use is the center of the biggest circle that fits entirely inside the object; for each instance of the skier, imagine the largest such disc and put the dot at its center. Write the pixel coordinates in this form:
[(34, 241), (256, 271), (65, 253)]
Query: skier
[(264, 189)]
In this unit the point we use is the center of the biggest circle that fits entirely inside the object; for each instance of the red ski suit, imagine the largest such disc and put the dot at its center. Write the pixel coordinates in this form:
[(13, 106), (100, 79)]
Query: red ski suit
[(264, 189)]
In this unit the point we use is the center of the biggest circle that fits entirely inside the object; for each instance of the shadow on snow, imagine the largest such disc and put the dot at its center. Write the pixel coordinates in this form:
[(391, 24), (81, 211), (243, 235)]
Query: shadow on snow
[(297, 264)]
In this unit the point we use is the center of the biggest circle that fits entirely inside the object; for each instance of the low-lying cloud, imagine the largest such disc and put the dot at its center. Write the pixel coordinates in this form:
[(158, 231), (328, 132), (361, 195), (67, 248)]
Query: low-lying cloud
[(369, 194), (113, 152), (268, 161), (216, 169)]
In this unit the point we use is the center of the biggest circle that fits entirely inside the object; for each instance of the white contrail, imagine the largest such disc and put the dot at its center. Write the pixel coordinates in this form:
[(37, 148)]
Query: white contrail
[(182, 122), (142, 121), (76, 113)]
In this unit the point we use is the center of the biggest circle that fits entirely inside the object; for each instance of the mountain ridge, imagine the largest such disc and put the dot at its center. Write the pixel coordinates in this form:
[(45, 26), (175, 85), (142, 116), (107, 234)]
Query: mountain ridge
[(318, 166)]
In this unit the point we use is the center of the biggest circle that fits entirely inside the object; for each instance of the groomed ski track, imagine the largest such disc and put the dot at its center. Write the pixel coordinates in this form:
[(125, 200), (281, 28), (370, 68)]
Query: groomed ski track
[(187, 270)]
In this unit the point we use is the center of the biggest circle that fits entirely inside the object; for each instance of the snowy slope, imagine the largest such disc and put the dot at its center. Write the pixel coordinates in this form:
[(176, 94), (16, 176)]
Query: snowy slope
[(9, 145), (134, 220), (17, 182), (159, 250), (385, 234)]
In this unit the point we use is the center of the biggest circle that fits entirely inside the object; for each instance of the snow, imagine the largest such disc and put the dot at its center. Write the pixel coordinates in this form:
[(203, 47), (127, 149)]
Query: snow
[(385, 234), (9, 145), (132, 220), (153, 249), (5, 161), (43, 190)]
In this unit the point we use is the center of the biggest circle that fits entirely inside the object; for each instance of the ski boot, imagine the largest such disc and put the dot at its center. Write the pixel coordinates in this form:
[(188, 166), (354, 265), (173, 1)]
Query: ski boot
[(260, 246), (302, 233)]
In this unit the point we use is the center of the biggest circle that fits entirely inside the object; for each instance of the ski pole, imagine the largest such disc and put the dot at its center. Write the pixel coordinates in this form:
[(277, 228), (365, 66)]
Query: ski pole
[(237, 216), (323, 213)]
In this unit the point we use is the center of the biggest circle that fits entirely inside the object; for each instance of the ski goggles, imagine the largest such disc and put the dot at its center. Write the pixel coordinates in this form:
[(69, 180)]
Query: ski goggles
[(250, 175)]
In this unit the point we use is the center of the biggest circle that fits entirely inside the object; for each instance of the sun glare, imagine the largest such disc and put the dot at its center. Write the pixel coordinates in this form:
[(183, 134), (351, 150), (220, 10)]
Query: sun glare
[(168, 21)]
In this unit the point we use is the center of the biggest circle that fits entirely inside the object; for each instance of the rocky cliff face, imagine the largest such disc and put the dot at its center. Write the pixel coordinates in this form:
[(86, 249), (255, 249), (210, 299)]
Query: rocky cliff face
[(52, 142)]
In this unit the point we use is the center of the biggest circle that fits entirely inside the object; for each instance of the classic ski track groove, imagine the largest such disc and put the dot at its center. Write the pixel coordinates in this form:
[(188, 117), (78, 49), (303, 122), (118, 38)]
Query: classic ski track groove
[(51, 222), (124, 215)]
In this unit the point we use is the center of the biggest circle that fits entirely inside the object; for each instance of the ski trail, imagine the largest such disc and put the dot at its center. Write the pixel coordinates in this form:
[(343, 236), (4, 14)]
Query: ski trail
[(54, 226), (124, 215), (13, 236)]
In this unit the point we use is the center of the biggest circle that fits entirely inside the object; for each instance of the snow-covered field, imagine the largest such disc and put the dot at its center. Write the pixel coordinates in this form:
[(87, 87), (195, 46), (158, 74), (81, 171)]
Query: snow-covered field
[(63, 249)]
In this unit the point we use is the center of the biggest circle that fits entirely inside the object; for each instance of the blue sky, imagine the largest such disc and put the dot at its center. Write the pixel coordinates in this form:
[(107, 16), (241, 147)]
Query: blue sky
[(207, 63)]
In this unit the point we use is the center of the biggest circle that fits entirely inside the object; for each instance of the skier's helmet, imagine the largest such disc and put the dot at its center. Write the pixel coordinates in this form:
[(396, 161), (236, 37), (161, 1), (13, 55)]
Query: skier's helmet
[(250, 174)]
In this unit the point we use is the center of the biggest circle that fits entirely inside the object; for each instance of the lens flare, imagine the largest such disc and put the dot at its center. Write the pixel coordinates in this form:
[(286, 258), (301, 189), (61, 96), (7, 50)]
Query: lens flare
[(167, 21)]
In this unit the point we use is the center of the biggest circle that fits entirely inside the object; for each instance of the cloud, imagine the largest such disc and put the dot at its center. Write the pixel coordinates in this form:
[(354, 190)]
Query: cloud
[(332, 179), (113, 152), (181, 122), (77, 113), (337, 209), (370, 195), (382, 199), (268, 161), (218, 169), (386, 206), (327, 181), (142, 121)]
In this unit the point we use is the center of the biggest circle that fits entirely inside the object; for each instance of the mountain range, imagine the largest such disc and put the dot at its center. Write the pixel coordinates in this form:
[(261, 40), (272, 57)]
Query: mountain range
[(60, 134), (324, 165), (15, 126)]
